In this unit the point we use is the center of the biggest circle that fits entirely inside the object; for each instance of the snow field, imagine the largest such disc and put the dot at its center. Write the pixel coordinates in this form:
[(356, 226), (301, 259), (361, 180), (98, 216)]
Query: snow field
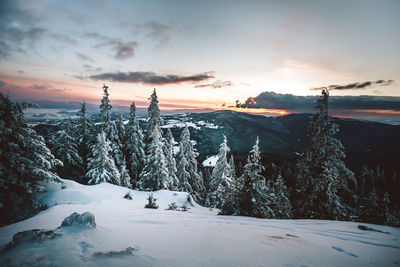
[(195, 238)]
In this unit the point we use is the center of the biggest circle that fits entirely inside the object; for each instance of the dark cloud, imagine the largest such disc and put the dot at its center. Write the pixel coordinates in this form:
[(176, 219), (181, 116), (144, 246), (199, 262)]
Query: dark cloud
[(64, 38), (48, 87), (151, 78), (356, 85), (121, 50), (90, 68), (84, 57), (18, 29), (271, 100), (157, 31), (217, 84), (125, 50), (39, 87)]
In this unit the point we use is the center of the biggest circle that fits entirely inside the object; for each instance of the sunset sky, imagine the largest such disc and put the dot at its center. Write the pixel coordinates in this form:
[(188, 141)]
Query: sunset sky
[(198, 54)]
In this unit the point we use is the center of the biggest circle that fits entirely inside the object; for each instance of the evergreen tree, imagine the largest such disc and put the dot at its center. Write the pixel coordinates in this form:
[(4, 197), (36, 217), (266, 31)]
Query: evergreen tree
[(322, 177), (190, 179), (154, 120), (101, 165), (281, 204), (65, 149), (25, 163), (134, 145), (155, 174), (105, 107), (169, 157), (84, 131), (121, 129), (124, 176), (110, 129), (221, 178), (255, 195), (232, 164)]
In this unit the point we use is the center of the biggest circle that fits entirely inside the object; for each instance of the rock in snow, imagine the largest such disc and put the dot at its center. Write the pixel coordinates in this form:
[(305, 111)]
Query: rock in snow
[(33, 235), (84, 220)]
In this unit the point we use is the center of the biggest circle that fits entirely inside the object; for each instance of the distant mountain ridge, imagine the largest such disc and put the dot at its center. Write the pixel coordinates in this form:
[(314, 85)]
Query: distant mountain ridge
[(365, 142)]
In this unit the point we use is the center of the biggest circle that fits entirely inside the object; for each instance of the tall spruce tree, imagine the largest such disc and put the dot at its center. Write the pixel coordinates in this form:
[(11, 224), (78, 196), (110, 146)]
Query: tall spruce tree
[(83, 133), (190, 179), (155, 174), (101, 164), (65, 149), (110, 129), (121, 129), (221, 178), (322, 176), (281, 204), (255, 195), (124, 176), (169, 157), (25, 163), (134, 149)]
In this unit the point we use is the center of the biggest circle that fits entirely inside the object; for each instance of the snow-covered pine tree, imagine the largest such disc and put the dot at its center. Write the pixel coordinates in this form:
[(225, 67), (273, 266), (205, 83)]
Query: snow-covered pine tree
[(221, 178), (124, 176), (255, 195), (231, 202), (101, 165), (105, 107), (134, 149), (169, 157), (232, 164), (84, 131), (154, 120), (155, 174), (25, 162), (110, 129), (121, 129), (281, 204), (322, 176), (187, 167), (65, 149)]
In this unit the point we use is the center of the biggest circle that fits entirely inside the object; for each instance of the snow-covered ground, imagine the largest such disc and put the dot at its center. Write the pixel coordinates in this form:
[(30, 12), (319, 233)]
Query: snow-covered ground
[(184, 122), (197, 237)]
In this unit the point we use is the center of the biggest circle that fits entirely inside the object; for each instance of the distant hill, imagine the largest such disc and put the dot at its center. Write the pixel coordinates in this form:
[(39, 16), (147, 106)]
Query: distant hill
[(366, 142)]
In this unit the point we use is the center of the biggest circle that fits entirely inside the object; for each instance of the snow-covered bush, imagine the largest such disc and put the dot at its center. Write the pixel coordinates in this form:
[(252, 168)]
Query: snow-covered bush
[(128, 195), (151, 202)]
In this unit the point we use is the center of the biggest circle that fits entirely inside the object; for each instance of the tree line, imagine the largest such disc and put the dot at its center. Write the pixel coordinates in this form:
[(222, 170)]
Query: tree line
[(123, 154)]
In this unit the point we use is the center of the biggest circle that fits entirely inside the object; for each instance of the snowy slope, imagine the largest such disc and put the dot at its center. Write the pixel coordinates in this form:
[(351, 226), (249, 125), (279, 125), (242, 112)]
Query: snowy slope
[(195, 238)]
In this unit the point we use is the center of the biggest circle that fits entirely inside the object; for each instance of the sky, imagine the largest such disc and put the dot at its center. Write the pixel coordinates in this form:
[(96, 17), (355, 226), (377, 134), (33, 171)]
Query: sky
[(198, 54)]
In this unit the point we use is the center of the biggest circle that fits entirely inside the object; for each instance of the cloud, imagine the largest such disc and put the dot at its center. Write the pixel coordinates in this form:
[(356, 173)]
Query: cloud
[(216, 84), (18, 29), (84, 57), (157, 31), (121, 50), (90, 68), (64, 38), (271, 100), (125, 50), (48, 87), (356, 85), (151, 78)]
